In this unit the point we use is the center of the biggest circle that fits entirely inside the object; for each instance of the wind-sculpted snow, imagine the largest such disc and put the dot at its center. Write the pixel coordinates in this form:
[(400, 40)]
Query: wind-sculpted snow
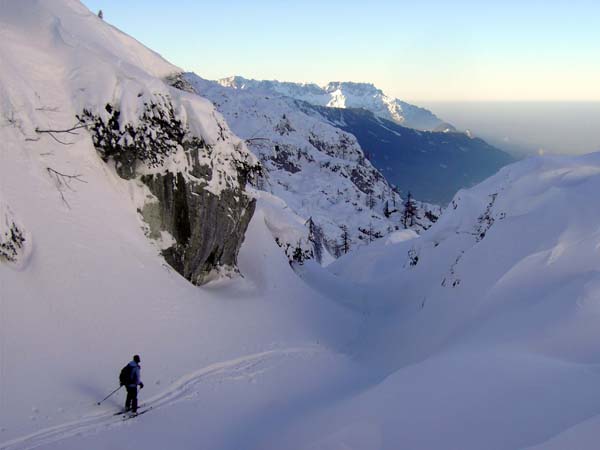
[(489, 318)]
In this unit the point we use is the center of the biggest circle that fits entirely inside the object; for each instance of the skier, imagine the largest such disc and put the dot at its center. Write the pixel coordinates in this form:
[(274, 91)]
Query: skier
[(131, 383)]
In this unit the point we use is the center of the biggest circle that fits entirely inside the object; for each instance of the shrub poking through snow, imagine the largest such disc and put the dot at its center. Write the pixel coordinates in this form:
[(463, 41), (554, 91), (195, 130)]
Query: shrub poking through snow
[(157, 135), (487, 219), (12, 237)]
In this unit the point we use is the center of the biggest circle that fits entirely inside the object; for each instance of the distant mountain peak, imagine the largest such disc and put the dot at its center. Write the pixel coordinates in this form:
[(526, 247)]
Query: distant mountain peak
[(345, 94)]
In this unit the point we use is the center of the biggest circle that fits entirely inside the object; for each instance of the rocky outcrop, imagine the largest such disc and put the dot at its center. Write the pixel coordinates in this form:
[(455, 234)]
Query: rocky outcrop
[(198, 187), (154, 138), (208, 229)]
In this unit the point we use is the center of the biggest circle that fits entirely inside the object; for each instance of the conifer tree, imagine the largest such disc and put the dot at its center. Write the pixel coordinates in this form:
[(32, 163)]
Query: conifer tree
[(345, 245), (370, 200), (409, 215), (386, 209), (315, 236), (298, 255), (370, 232)]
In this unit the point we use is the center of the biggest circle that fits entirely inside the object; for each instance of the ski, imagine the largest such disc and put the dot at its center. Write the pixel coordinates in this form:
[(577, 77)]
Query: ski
[(131, 416), (123, 411)]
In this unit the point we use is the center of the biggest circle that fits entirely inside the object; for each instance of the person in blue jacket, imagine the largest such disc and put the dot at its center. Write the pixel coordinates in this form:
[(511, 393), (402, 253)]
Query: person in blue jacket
[(131, 403)]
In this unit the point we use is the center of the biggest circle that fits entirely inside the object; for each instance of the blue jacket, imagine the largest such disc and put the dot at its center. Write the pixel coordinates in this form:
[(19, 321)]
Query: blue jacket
[(135, 374)]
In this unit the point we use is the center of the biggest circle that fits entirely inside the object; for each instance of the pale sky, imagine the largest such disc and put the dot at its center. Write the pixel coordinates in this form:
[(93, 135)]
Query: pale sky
[(432, 50)]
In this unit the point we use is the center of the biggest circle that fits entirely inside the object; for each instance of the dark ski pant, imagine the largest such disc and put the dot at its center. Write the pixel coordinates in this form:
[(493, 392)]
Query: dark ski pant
[(131, 402)]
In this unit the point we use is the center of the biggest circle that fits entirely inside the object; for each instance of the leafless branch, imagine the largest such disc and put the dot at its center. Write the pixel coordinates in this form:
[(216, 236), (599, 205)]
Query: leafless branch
[(71, 130), (63, 181), (48, 109), (256, 139), (57, 139)]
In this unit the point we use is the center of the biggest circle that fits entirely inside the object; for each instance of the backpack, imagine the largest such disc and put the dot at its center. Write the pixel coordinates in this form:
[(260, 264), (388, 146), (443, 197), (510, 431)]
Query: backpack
[(126, 375)]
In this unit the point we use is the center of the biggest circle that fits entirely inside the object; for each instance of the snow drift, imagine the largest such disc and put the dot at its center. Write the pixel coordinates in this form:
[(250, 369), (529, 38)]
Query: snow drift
[(484, 329)]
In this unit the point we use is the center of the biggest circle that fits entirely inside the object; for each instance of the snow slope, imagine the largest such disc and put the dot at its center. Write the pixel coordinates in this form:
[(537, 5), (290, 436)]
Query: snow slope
[(64, 70), (480, 333), (346, 95), (87, 289), (490, 339)]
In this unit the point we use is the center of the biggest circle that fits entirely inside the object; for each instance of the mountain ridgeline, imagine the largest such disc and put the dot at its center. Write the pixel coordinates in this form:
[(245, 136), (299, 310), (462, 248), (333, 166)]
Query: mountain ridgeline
[(433, 166), (318, 170), (345, 94), (184, 171), (413, 148)]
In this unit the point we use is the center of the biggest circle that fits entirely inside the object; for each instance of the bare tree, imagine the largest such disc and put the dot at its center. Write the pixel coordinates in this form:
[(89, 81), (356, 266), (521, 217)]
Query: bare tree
[(63, 181), (52, 133)]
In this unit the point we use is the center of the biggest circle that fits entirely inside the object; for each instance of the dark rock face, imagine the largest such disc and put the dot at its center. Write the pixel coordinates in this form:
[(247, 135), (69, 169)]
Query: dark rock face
[(208, 229), (284, 158)]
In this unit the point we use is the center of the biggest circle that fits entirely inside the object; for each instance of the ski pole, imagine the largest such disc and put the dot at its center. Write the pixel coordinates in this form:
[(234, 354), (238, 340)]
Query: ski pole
[(110, 394)]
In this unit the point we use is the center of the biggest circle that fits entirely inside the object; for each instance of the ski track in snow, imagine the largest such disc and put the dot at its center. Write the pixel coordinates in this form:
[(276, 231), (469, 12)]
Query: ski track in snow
[(245, 367)]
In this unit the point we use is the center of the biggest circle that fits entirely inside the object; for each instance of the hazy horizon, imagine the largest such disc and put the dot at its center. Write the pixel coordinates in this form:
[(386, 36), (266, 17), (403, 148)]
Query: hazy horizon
[(526, 128)]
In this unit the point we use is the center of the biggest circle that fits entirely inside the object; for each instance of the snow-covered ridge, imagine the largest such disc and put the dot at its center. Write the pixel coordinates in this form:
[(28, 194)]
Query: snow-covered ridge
[(346, 95), (69, 25), (317, 169), (70, 80), (491, 317)]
